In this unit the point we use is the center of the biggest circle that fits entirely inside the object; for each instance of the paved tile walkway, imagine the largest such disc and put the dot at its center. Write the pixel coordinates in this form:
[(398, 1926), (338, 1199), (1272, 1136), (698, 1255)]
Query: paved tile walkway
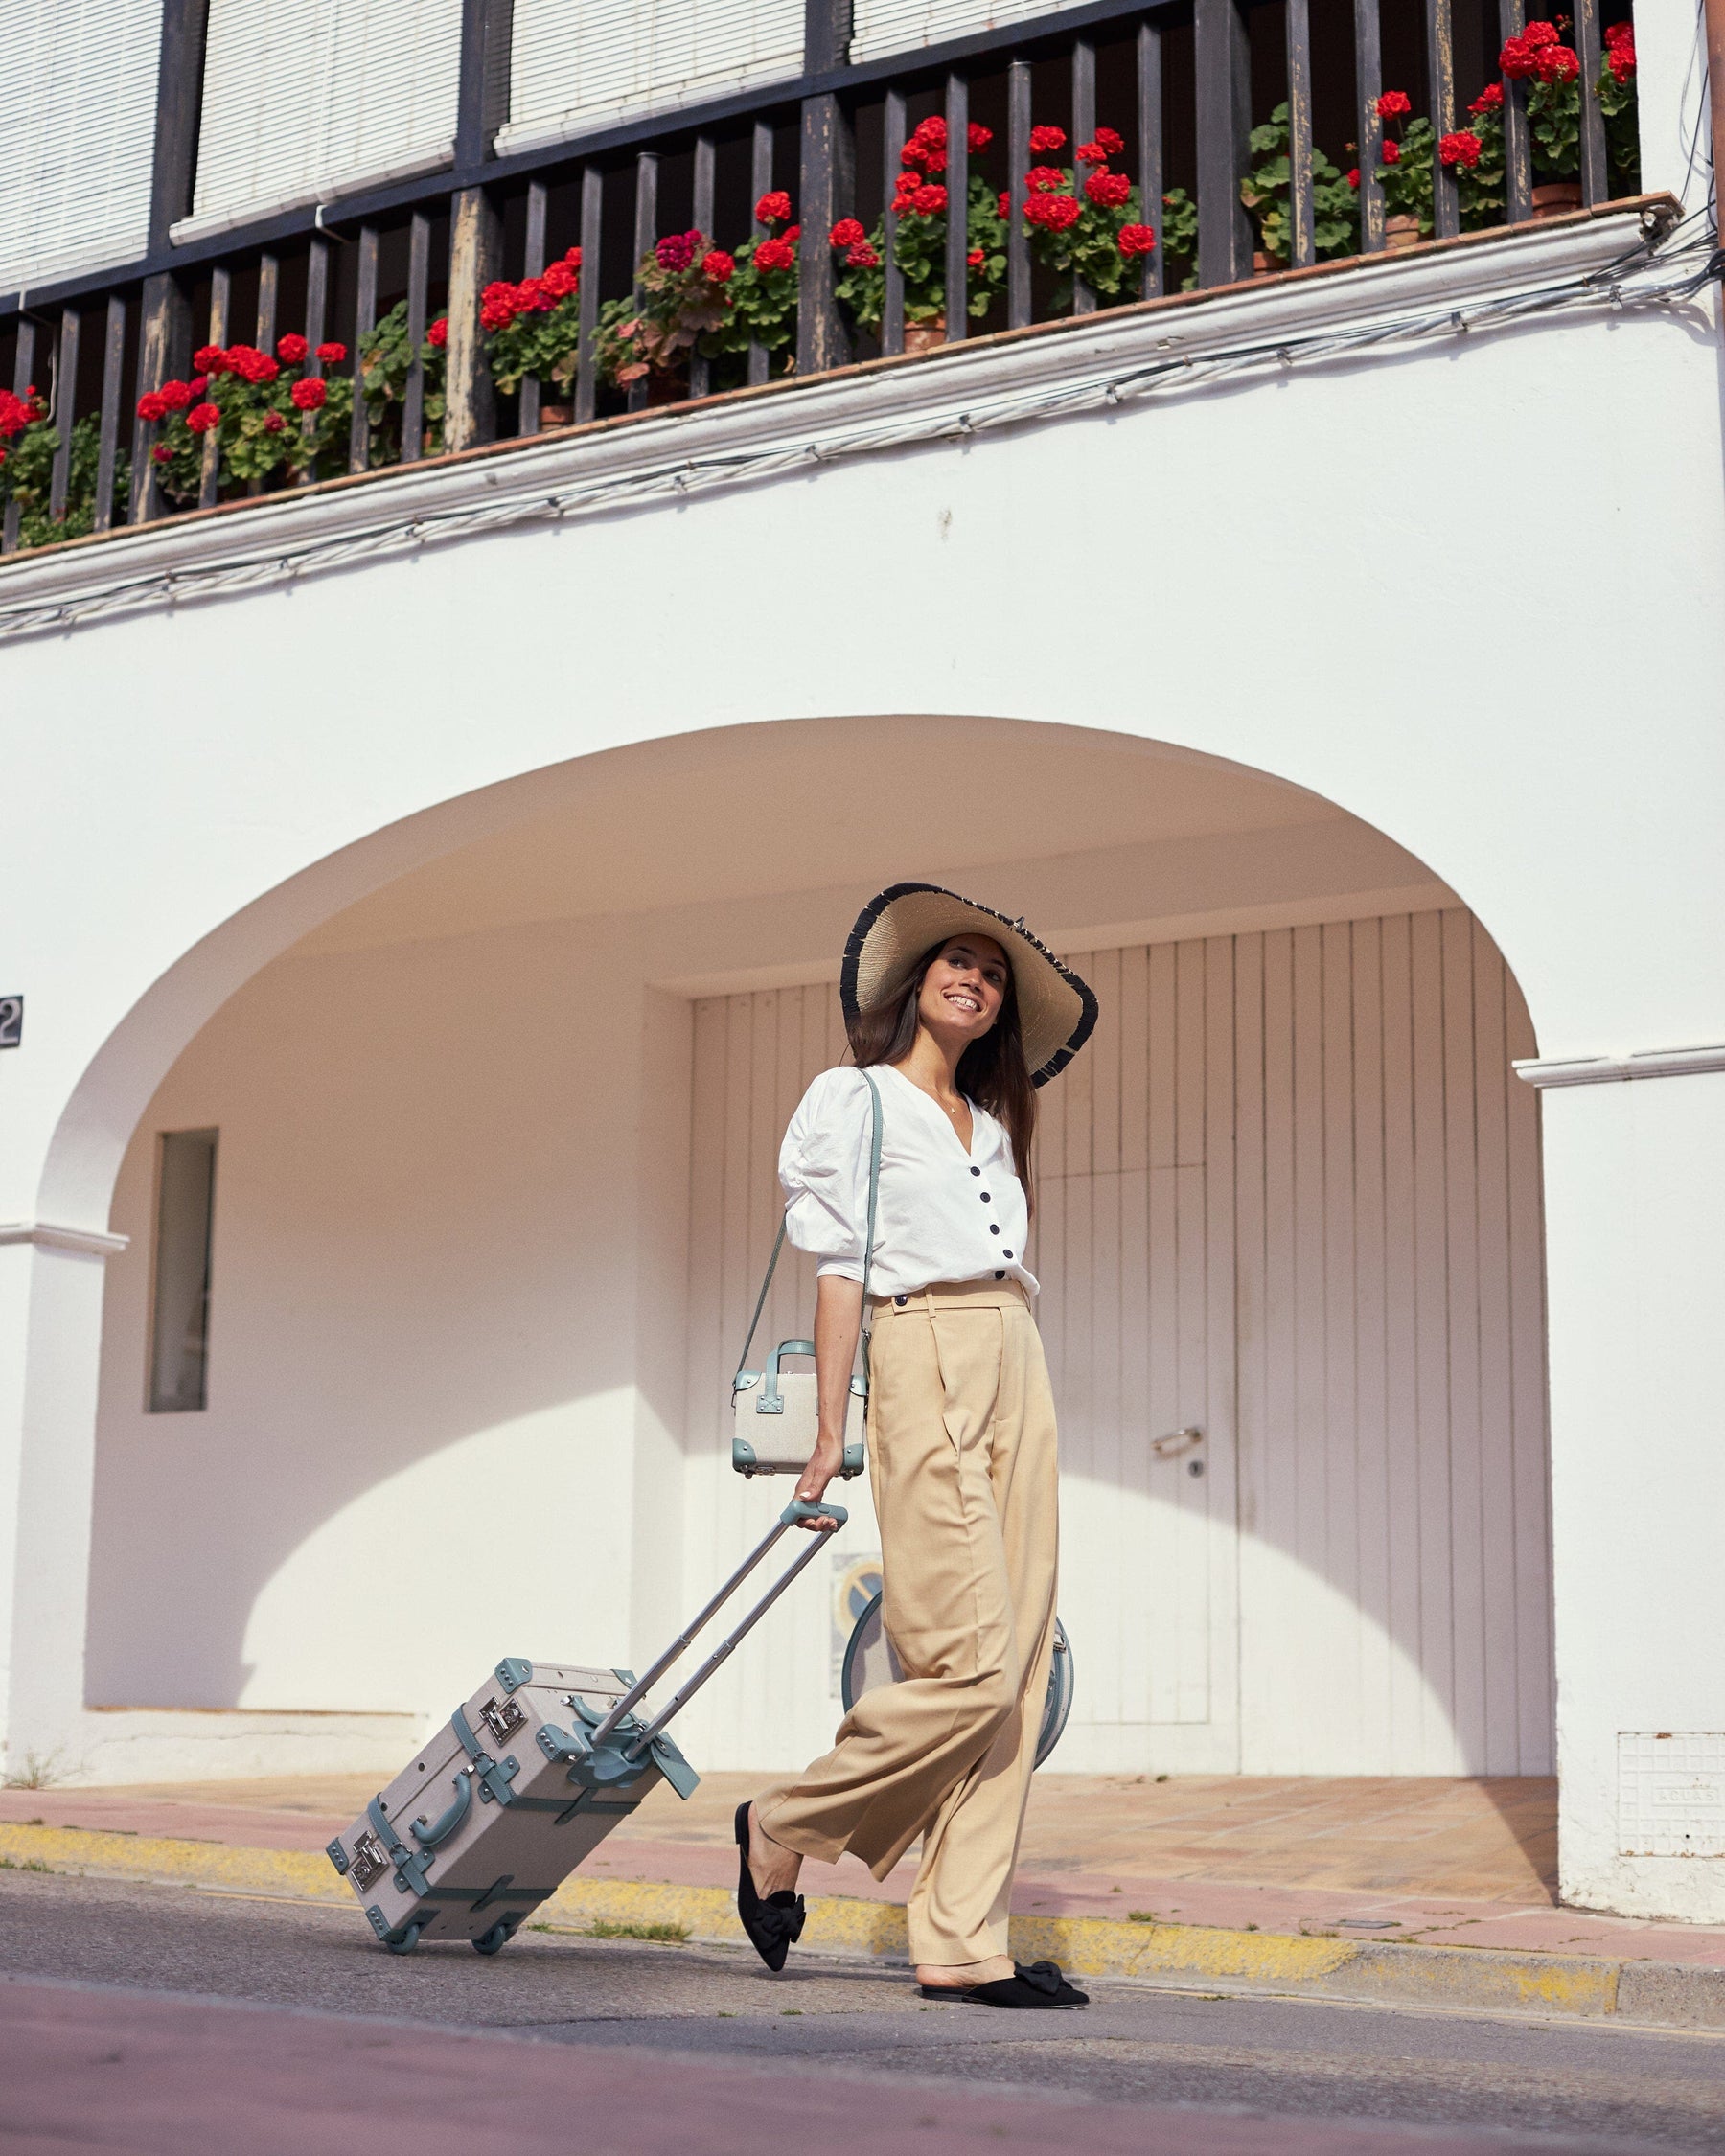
[(1439, 1861)]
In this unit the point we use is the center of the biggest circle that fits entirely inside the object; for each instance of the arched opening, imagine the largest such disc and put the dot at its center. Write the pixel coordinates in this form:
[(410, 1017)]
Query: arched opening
[(495, 1179)]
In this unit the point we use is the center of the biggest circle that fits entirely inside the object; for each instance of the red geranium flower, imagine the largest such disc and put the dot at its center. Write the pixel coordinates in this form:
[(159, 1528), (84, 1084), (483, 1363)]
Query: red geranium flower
[(1109, 191), (977, 136), (1045, 179), (675, 252), (251, 365), (1136, 239), (848, 232), (1004, 205), (1618, 36), (907, 183), (1392, 151), (931, 132), (201, 418), (791, 234), (1044, 141), (562, 279), (162, 454), (196, 386), (437, 337), (150, 405), (1091, 154), (1462, 147), (1353, 177), (310, 395), (719, 266), (1109, 142), (975, 258), (1055, 213), (291, 348), (928, 201), (210, 360), (1556, 63), (1394, 105), (572, 256), (332, 355), (774, 208), (497, 307), (175, 395), (775, 254), (863, 257), (1489, 98), (273, 422)]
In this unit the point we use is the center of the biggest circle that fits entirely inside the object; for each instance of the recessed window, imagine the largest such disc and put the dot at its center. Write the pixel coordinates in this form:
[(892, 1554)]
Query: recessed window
[(180, 1340)]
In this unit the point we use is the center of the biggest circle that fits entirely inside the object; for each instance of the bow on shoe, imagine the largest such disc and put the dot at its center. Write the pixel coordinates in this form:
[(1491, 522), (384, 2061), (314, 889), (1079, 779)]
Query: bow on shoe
[(1042, 1976)]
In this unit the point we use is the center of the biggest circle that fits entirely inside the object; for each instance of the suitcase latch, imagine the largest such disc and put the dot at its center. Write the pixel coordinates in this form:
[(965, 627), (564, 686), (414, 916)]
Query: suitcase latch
[(503, 1717)]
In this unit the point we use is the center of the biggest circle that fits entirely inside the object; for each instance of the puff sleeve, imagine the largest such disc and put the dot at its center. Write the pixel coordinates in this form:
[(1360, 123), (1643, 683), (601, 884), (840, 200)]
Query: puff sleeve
[(823, 1166)]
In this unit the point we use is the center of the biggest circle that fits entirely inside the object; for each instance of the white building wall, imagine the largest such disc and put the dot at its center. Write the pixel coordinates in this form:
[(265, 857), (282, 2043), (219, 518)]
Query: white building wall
[(1286, 576)]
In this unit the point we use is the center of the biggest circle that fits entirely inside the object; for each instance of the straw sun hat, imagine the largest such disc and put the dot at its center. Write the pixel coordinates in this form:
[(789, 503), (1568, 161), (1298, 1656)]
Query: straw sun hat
[(1056, 1010)]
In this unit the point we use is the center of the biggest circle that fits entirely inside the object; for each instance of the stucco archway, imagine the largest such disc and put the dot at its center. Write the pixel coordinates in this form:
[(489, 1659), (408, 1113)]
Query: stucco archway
[(731, 859)]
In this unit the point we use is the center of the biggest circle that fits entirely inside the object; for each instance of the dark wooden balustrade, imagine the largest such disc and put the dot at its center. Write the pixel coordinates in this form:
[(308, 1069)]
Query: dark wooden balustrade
[(1182, 81)]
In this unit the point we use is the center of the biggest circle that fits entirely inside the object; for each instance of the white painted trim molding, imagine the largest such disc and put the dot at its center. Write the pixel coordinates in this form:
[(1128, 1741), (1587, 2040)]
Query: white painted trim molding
[(1611, 1070), (1181, 345), (51, 1235)]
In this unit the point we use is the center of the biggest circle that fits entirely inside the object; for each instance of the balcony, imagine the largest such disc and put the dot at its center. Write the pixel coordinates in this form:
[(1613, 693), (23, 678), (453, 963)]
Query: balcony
[(1109, 156)]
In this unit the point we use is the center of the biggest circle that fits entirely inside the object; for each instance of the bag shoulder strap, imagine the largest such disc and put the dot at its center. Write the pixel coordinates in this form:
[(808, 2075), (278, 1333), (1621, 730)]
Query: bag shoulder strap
[(778, 1241)]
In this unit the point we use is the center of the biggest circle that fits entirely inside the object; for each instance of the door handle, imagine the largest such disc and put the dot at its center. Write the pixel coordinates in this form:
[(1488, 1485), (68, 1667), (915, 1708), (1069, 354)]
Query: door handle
[(1176, 1442)]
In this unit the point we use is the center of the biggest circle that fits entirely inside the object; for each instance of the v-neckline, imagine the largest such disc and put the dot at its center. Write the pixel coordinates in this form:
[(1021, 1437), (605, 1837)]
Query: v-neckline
[(969, 1150)]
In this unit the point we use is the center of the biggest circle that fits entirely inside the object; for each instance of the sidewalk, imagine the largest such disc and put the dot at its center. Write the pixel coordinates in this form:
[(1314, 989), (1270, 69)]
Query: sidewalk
[(1256, 1880)]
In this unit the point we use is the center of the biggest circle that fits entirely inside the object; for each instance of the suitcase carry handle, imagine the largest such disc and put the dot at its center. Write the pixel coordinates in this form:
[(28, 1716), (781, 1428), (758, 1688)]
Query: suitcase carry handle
[(798, 1509)]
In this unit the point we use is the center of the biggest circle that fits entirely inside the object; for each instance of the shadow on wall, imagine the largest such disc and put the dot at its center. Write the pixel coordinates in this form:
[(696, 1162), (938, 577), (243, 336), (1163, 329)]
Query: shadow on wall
[(424, 1222)]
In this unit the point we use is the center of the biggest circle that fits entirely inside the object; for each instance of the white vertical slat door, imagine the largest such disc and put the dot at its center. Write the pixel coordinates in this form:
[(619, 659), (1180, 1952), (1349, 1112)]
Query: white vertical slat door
[(1128, 1249), (1289, 1197), (305, 100), (78, 84), (900, 25), (1394, 1570), (579, 64)]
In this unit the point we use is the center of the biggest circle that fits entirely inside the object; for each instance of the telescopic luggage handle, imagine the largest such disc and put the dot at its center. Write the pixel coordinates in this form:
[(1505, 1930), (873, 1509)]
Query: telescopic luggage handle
[(615, 1748)]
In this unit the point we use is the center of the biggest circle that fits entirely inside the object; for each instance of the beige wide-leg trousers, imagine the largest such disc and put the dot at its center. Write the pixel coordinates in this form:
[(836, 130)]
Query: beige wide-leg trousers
[(962, 1455)]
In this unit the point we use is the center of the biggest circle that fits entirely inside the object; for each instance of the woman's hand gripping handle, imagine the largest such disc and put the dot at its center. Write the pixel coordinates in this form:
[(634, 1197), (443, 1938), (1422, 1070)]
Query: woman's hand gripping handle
[(838, 1326)]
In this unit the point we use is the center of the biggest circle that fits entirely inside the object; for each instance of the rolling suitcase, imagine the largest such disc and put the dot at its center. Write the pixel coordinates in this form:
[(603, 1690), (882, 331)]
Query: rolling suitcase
[(526, 1779)]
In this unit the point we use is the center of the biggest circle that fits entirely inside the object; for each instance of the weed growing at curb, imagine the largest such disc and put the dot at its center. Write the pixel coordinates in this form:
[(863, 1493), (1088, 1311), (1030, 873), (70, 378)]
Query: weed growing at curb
[(30, 1864), (665, 1935), (41, 1770)]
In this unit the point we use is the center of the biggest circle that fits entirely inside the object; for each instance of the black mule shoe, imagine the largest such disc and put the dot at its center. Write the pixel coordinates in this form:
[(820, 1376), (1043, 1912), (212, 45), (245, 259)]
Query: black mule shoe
[(1036, 1984), (773, 1923)]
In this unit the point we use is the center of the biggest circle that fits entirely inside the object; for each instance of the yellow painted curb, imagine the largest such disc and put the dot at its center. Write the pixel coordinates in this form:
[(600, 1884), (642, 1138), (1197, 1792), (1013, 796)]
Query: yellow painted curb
[(1091, 1947), (202, 1864)]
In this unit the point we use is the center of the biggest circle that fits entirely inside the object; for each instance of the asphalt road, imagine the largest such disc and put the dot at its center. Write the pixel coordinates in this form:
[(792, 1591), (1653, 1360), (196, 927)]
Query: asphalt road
[(1570, 2086)]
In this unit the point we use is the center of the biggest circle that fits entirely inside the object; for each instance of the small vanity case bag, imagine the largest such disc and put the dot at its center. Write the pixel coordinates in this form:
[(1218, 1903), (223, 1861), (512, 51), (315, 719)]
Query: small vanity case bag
[(776, 1411)]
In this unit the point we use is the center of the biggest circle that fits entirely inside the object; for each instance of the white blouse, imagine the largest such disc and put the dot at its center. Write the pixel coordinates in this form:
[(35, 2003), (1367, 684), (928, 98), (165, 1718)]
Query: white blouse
[(942, 1213)]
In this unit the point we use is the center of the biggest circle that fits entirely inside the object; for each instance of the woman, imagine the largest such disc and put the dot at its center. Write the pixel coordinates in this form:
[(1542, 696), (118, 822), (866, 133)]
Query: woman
[(958, 1014)]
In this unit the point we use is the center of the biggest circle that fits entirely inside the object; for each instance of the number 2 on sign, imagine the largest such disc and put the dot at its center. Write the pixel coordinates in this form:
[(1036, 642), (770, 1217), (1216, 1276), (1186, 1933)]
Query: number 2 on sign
[(12, 1021)]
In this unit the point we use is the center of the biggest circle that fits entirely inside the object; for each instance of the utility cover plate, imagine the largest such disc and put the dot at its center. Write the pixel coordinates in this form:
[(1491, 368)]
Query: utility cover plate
[(1671, 1792)]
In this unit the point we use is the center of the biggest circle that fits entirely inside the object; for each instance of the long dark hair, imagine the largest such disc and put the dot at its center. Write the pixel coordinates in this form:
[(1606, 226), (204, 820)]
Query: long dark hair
[(991, 1071)]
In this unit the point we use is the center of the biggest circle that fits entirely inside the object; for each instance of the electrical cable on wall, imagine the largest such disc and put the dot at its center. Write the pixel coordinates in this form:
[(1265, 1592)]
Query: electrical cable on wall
[(1655, 273)]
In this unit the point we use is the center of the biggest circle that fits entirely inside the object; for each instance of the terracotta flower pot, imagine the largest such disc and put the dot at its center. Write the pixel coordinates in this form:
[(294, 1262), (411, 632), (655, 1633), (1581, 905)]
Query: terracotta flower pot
[(1400, 232), (556, 415), (924, 336), (1261, 265), (1556, 198)]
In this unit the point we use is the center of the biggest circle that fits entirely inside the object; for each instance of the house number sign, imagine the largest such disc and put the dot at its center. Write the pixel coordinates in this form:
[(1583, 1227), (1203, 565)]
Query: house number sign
[(12, 1021)]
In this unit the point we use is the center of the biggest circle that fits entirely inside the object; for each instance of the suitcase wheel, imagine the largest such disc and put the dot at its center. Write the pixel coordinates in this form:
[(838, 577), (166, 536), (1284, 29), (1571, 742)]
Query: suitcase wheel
[(407, 1941), (495, 1939)]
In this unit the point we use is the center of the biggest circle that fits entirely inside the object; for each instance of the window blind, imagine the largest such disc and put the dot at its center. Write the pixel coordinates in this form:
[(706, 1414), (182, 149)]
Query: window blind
[(900, 25), (579, 64), (78, 84), (305, 100)]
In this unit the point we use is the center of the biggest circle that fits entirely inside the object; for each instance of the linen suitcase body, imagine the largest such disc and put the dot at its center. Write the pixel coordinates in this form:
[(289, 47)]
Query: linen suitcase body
[(525, 1780), (487, 1821)]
